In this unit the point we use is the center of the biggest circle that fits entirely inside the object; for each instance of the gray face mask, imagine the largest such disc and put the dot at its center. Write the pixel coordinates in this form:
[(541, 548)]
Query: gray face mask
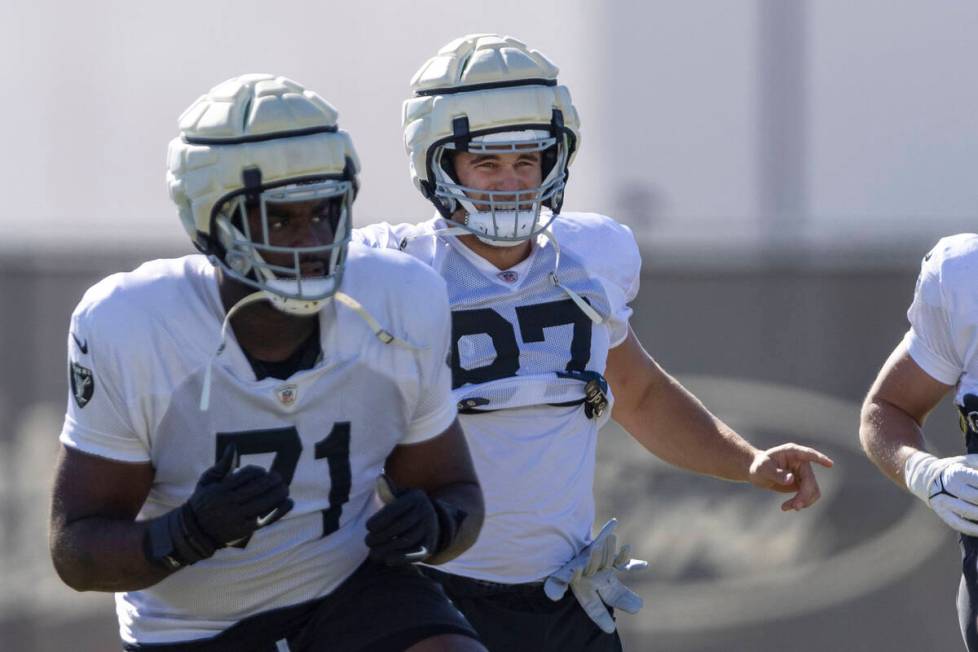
[(250, 251), (504, 218)]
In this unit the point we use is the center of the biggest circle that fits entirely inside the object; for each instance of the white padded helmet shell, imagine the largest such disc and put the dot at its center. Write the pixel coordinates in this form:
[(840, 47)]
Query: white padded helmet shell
[(485, 84)]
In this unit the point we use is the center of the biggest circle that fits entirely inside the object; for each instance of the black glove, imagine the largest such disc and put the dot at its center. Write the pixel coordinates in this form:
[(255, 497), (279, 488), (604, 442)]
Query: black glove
[(225, 508), (411, 527)]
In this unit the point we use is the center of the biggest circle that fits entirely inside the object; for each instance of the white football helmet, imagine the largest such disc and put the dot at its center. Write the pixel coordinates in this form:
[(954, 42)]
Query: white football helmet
[(485, 93), (252, 142)]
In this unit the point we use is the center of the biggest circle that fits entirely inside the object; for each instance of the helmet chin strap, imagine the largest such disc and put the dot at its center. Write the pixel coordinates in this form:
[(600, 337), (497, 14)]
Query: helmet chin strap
[(205, 392), (278, 302), (477, 217), (479, 221), (295, 306), (574, 296), (461, 230), (379, 332)]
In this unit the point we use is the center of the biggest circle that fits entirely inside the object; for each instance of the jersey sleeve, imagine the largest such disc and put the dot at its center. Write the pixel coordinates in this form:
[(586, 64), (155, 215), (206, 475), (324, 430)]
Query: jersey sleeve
[(98, 419), (383, 235), (611, 255), (623, 285), (436, 408), (930, 340)]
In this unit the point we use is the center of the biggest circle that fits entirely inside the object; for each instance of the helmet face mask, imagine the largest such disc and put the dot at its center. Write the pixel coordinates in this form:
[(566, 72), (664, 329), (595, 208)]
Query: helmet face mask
[(504, 217), (248, 224), (258, 146)]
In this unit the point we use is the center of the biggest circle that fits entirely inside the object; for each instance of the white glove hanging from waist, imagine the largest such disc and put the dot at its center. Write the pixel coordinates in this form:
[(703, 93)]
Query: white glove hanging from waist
[(947, 485), (593, 577)]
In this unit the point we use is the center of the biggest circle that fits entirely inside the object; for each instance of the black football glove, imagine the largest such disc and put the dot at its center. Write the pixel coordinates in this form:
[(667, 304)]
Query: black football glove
[(411, 527), (226, 507)]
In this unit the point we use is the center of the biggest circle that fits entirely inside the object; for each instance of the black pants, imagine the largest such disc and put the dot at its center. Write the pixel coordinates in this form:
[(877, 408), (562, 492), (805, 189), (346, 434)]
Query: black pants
[(521, 618), (377, 609)]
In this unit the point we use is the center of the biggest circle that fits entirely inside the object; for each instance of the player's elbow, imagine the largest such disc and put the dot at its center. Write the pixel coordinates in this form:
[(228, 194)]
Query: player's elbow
[(878, 419), (866, 416), (478, 519), (73, 581), (69, 565), (469, 497), (70, 571), (475, 516)]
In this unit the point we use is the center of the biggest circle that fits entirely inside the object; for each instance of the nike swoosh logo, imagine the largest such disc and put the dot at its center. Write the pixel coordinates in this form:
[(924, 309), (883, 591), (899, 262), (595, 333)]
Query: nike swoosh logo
[(418, 555), (82, 346)]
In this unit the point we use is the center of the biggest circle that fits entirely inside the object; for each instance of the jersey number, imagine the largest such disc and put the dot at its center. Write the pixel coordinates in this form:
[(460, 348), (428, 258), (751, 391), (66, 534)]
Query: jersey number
[(532, 319), (285, 443)]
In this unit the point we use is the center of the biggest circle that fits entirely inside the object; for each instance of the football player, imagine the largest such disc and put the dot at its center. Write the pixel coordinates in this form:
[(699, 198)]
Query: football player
[(938, 354), (542, 353), (231, 413)]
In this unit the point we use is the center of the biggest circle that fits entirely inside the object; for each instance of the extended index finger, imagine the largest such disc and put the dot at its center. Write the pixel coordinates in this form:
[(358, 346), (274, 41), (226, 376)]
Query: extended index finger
[(799, 453)]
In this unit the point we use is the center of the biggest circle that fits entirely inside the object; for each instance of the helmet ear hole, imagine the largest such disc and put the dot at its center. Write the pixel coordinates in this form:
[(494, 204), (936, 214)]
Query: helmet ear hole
[(548, 159), (205, 244), (448, 164), (334, 213)]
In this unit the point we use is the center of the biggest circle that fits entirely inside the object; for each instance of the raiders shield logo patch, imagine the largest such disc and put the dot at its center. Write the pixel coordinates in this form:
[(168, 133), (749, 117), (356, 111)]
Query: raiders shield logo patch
[(82, 384)]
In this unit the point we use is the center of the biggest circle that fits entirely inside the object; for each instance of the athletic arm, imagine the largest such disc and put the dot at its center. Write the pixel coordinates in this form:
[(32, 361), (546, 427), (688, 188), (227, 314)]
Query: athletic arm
[(894, 412), (95, 542), (675, 426), (671, 423), (443, 469)]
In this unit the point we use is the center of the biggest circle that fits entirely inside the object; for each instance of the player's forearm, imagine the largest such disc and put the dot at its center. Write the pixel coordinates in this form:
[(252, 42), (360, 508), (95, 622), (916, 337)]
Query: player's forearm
[(467, 499), (100, 554), (676, 427), (889, 435)]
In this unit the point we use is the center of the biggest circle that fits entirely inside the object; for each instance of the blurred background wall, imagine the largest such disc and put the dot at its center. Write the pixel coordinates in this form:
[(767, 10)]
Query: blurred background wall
[(784, 166)]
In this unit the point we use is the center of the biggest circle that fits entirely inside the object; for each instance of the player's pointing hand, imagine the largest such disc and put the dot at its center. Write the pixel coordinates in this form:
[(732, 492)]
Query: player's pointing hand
[(788, 469)]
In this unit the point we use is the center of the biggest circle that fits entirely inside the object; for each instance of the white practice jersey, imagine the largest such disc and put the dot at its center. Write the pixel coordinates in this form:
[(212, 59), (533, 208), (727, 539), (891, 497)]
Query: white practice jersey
[(516, 336), (139, 347), (943, 335)]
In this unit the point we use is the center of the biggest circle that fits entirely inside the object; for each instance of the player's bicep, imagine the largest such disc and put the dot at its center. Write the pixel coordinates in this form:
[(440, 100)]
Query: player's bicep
[(87, 485), (433, 463), (902, 383), (631, 373)]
